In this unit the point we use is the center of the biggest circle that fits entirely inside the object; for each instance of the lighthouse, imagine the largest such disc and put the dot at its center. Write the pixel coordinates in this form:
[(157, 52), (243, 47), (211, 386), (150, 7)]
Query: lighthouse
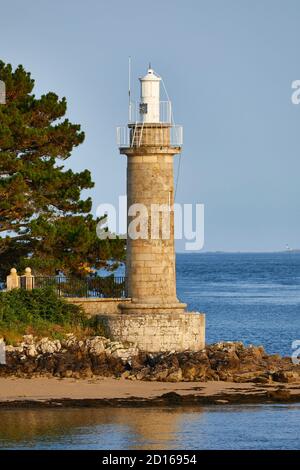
[(152, 316), (151, 147)]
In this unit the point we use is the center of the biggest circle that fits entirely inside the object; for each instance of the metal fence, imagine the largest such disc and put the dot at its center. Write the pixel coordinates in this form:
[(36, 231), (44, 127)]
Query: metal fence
[(126, 138), (97, 287), (165, 112)]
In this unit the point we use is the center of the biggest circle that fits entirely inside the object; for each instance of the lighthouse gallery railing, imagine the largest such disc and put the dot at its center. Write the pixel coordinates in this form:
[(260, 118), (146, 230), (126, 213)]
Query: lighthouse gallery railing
[(126, 138)]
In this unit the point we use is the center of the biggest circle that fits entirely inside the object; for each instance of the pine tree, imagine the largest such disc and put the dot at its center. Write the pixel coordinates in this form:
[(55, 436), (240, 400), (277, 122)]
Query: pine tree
[(42, 214)]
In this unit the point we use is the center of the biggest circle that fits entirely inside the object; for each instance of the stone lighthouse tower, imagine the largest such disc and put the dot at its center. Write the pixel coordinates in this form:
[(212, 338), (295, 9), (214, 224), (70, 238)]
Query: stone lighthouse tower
[(152, 316), (150, 260)]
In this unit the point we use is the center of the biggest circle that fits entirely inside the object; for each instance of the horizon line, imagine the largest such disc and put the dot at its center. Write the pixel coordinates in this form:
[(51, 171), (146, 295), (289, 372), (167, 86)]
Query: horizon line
[(295, 250)]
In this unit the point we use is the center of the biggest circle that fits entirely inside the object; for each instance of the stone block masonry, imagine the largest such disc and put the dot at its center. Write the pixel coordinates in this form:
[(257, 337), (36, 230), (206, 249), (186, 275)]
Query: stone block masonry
[(150, 262), (158, 332), (98, 306)]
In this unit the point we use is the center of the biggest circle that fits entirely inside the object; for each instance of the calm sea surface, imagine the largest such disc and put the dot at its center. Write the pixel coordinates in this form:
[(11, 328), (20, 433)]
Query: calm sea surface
[(250, 297), (254, 298), (215, 427)]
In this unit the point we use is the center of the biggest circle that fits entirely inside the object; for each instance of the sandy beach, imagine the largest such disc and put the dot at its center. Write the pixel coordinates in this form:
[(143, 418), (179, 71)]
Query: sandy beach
[(121, 392)]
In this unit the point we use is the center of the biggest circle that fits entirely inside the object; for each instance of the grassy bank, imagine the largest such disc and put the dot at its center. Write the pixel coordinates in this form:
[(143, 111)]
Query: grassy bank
[(41, 312)]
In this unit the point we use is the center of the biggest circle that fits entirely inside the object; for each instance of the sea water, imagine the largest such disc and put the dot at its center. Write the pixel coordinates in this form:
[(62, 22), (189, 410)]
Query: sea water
[(254, 298), (209, 427)]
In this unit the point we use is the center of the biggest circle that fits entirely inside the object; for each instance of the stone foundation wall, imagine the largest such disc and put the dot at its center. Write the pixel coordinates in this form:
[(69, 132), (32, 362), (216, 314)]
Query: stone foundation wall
[(158, 332), (96, 306)]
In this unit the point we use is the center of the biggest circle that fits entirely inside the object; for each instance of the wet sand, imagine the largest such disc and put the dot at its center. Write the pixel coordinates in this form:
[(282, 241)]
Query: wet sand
[(51, 392)]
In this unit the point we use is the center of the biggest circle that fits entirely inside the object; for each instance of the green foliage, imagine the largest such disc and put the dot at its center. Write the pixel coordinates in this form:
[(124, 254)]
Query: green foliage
[(21, 306), (44, 222), (70, 244), (98, 327), (41, 312)]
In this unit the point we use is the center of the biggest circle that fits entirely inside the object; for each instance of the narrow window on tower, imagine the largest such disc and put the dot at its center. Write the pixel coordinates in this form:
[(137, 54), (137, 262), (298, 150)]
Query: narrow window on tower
[(143, 108)]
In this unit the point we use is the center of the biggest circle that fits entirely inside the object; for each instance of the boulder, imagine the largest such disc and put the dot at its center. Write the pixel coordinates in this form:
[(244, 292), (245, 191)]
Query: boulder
[(286, 376), (31, 351), (47, 346), (175, 376), (96, 345)]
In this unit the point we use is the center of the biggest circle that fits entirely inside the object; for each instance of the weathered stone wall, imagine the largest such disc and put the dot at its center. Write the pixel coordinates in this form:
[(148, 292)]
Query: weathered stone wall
[(150, 134), (150, 262), (158, 332), (96, 306)]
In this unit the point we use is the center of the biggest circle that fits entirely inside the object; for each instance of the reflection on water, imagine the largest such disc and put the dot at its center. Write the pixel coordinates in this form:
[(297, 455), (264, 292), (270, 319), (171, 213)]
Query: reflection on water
[(91, 428), (223, 427)]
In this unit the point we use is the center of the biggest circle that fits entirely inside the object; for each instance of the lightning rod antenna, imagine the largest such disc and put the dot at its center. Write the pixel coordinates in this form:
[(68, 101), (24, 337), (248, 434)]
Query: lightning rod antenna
[(129, 87)]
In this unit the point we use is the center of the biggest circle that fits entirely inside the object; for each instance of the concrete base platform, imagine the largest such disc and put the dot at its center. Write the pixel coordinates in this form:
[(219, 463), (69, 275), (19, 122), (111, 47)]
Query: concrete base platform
[(158, 332)]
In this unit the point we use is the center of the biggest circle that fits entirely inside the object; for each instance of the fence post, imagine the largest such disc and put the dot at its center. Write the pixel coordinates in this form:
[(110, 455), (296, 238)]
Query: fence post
[(28, 279), (12, 280)]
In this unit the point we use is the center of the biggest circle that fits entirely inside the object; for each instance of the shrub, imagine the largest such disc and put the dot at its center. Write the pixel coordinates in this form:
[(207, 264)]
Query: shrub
[(21, 306)]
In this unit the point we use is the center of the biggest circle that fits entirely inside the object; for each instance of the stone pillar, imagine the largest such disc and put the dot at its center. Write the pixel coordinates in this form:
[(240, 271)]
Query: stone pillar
[(12, 280), (150, 262), (27, 280)]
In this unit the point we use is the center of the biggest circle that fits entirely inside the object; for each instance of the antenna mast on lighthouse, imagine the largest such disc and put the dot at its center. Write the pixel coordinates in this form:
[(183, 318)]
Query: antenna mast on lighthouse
[(129, 88)]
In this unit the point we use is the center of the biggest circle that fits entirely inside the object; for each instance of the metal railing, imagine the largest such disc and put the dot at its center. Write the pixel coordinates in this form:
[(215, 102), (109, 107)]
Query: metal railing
[(165, 112), (97, 287), (126, 138)]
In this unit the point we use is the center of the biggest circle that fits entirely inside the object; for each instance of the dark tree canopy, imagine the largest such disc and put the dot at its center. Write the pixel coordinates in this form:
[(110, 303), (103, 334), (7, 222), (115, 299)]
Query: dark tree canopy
[(42, 214)]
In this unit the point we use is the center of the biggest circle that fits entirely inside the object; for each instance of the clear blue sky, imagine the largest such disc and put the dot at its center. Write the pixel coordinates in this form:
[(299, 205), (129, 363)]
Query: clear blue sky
[(228, 66)]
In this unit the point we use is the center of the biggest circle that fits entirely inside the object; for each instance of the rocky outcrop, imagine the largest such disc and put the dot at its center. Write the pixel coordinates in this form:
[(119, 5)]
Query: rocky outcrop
[(70, 357), (232, 362), (98, 356)]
